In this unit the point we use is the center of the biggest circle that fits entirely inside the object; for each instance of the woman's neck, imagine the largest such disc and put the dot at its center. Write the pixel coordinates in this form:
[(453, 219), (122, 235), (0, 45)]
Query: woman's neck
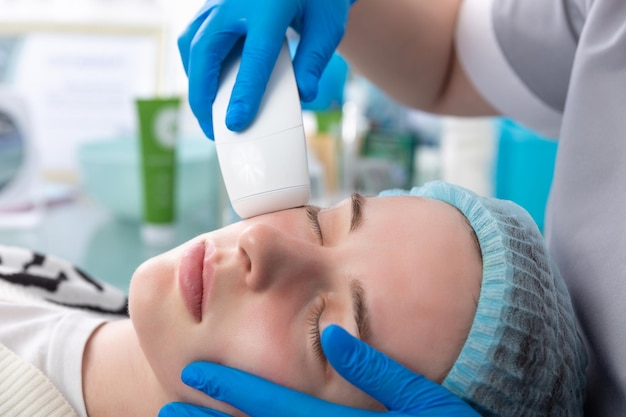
[(117, 379)]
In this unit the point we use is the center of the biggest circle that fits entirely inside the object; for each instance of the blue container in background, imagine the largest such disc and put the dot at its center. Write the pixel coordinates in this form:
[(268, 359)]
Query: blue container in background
[(331, 86), (524, 167), (331, 82)]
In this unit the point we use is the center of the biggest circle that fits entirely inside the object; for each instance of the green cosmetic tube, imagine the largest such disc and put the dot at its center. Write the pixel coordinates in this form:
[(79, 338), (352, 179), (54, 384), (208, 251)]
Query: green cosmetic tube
[(158, 131)]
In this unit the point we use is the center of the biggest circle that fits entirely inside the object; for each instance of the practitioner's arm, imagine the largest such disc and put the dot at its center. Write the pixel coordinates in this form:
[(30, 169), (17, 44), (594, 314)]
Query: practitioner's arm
[(407, 48)]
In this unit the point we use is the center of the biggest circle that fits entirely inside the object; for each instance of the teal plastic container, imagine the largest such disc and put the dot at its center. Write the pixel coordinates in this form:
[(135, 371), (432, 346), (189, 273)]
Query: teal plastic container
[(110, 174), (524, 167)]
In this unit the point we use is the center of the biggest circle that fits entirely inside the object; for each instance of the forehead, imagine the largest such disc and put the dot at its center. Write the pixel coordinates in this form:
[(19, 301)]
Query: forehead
[(422, 296), (411, 214)]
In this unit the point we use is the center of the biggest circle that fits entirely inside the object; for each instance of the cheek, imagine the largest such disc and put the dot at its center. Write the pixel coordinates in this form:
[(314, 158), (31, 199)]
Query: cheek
[(264, 342)]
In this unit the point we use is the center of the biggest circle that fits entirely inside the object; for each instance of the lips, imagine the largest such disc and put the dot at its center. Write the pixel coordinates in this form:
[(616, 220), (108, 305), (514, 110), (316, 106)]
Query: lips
[(195, 275)]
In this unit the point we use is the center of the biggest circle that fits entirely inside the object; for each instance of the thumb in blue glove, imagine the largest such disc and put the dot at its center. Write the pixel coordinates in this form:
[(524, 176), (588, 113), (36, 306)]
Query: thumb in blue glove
[(400, 390), (212, 34)]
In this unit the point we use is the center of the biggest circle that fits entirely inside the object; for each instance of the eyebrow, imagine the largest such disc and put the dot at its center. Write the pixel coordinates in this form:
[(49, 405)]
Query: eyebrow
[(359, 308), (358, 203), (356, 218)]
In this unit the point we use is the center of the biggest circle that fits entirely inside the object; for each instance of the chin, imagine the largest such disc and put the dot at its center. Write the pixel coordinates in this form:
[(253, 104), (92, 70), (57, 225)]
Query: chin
[(155, 316), (141, 291)]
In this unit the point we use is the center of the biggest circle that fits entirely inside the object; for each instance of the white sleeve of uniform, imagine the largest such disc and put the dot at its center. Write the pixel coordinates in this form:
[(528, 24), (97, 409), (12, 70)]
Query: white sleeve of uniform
[(519, 55)]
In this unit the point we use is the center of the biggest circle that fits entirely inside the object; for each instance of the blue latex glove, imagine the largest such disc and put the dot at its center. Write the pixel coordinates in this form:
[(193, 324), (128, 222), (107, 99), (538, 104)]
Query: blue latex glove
[(221, 23), (401, 391)]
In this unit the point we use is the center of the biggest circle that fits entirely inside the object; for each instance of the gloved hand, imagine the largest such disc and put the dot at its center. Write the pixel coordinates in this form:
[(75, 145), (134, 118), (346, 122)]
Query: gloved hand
[(220, 23), (401, 391)]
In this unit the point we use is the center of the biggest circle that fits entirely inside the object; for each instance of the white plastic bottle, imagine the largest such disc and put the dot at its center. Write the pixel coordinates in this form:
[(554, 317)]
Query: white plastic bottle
[(467, 153)]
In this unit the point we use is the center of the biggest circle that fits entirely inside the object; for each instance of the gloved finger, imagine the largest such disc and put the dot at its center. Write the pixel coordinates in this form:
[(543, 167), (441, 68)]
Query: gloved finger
[(188, 410), (209, 49), (258, 58), (377, 374), (316, 48), (258, 397), (185, 38)]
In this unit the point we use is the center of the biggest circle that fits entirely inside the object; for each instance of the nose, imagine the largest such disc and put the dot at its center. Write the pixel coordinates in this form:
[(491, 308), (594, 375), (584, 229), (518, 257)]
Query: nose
[(276, 258)]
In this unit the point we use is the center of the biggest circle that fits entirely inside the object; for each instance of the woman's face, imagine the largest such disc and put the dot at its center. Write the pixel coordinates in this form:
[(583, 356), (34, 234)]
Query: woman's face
[(402, 273)]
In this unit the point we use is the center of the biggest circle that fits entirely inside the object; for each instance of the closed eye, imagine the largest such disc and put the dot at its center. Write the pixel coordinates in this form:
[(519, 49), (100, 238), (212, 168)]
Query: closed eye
[(312, 212), (314, 331)]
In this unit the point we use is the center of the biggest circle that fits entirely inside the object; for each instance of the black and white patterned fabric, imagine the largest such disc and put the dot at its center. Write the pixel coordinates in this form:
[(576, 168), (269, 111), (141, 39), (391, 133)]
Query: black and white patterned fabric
[(59, 282)]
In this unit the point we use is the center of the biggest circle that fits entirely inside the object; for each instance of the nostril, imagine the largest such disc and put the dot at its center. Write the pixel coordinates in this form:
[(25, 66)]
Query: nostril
[(245, 260), (259, 247)]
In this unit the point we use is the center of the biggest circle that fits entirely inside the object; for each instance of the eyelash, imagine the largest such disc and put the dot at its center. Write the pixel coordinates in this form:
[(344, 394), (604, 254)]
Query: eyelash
[(314, 333)]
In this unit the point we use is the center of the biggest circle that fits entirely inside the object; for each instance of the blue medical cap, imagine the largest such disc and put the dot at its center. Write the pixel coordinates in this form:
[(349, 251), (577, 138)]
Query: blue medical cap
[(523, 355)]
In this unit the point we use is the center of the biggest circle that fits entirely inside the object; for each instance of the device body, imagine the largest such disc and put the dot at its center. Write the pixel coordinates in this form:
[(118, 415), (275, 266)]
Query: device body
[(265, 166)]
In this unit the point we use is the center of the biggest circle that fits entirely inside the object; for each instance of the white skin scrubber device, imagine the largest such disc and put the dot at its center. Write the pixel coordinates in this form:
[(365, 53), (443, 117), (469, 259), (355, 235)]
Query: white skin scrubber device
[(265, 165)]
